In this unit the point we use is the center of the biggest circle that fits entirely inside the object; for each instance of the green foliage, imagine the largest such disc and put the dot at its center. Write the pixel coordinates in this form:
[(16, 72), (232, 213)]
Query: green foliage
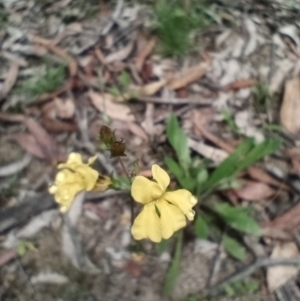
[(201, 227), (120, 183), (122, 84), (25, 246), (51, 81), (261, 96), (175, 24), (162, 246), (243, 157), (178, 141), (192, 174), (234, 248), (174, 269), (230, 121), (237, 218), (242, 287)]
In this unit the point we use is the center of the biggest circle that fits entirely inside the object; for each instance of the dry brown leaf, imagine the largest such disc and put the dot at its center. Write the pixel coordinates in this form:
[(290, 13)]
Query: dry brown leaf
[(10, 80), (28, 142), (288, 221), (44, 140), (50, 45), (294, 154), (279, 275), (121, 54), (57, 126), (275, 233), (151, 88), (259, 174), (254, 191), (104, 103), (290, 109), (100, 56), (240, 84), (65, 109), (6, 256), (137, 130), (11, 117), (144, 54), (189, 76)]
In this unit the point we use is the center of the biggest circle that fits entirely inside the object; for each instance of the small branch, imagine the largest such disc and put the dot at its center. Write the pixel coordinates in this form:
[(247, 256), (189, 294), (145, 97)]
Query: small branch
[(131, 202), (258, 264), (124, 169), (217, 261), (26, 278)]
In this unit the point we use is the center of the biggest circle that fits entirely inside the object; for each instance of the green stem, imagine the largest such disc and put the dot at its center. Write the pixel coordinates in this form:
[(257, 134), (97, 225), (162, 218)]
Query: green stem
[(131, 203)]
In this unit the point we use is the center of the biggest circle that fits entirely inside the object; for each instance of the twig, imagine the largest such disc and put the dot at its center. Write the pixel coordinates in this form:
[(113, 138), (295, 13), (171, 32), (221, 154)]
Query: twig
[(217, 260), (258, 264), (25, 276), (131, 202)]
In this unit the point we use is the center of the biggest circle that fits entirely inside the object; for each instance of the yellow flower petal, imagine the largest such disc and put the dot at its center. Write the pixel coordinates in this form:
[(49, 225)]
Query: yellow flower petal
[(73, 177), (160, 176), (147, 224), (65, 195), (102, 183), (52, 189), (92, 160), (171, 217), (89, 176), (74, 158), (181, 198), (144, 191)]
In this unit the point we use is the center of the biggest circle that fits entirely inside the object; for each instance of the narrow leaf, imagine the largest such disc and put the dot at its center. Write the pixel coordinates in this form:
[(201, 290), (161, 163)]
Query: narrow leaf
[(237, 218), (178, 141), (201, 228), (173, 271), (234, 248)]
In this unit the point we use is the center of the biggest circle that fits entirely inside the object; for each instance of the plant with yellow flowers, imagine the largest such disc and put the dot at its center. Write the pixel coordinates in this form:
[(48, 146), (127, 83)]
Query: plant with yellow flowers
[(164, 212)]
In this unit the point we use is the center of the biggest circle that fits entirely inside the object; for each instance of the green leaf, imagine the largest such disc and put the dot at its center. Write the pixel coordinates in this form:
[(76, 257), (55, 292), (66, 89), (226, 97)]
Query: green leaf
[(252, 286), (114, 91), (230, 121), (185, 181), (174, 167), (229, 166), (173, 271), (238, 218), (201, 227), (234, 248), (124, 80), (229, 290), (24, 246), (162, 246), (120, 183), (202, 176), (244, 156), (260, 151), (178, 141)]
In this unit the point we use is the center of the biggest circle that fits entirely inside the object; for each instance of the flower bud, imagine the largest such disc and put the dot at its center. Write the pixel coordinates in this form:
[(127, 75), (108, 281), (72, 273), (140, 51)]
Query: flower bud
[(107, 136), (118, 149)]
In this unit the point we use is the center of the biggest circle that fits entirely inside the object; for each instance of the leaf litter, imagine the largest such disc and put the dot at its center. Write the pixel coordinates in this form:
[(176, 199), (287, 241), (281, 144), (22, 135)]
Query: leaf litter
[(97, 51)]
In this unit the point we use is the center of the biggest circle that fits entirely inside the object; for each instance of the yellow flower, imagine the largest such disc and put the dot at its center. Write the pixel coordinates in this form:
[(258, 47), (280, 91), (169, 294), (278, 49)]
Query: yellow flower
[(74, 176), (164, 212)]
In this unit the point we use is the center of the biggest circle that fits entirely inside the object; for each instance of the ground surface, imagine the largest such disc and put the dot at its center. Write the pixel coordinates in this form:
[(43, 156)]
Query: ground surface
[(69, 67)]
